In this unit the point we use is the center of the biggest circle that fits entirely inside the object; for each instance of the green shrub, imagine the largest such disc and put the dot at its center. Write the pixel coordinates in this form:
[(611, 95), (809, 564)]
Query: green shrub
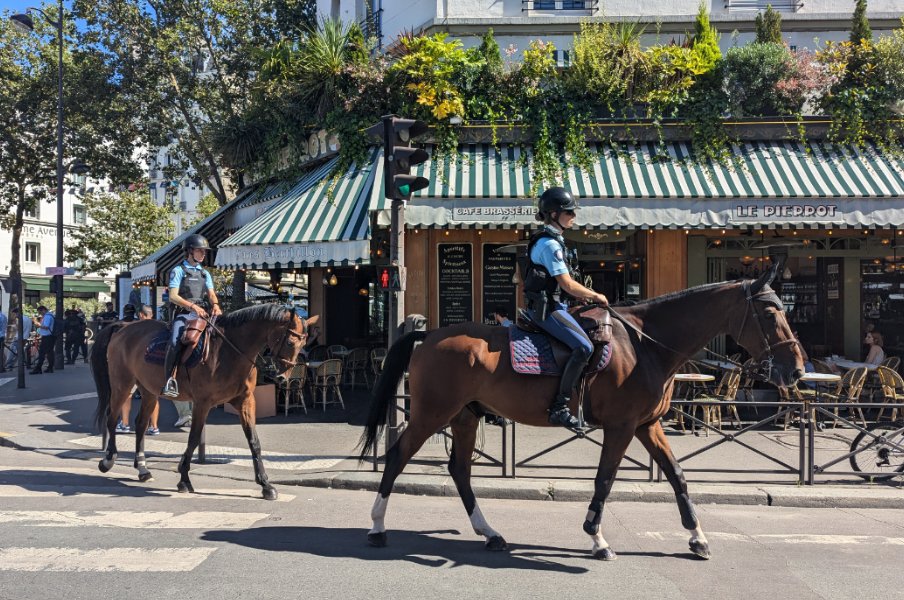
[(752, 75), (769, 26)]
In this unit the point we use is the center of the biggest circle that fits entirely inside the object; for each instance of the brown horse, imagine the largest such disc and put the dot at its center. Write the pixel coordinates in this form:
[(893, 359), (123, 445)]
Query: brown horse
[(470, 363), (228, 375)]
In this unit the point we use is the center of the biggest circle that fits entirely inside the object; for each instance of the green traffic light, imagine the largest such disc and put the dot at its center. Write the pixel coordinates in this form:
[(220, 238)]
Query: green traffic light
[(404, 189)]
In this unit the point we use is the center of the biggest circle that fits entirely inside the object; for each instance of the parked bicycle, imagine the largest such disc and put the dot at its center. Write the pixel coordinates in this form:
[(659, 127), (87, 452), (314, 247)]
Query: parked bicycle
[(878, 452)]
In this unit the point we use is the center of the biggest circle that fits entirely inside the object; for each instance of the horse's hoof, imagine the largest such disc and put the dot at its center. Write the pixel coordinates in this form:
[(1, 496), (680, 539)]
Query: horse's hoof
[(270, 493), (377, 540), (185, 488), (701, 549), (142, 477), (103, 466), (496, 544), (605, 554)]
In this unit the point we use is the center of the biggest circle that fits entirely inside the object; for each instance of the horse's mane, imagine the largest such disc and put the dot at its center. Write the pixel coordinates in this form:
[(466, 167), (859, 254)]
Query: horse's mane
[(684, 293), (261, 312)]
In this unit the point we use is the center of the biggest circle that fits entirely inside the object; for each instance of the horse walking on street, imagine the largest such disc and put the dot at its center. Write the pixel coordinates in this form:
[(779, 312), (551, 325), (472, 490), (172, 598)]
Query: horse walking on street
[(228, 374), (470, 363)]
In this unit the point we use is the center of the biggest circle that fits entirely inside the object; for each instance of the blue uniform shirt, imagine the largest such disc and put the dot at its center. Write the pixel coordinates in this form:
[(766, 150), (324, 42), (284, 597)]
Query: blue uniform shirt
[(46, 328), (176, 275), (549, 253)]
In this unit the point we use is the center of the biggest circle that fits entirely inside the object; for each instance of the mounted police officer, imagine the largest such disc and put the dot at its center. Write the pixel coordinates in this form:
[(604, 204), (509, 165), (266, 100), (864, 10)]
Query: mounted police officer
[(192, 296), (549, 284)]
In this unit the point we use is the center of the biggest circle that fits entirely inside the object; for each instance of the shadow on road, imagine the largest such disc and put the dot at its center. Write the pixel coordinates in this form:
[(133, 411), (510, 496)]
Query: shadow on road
[(418, 547)]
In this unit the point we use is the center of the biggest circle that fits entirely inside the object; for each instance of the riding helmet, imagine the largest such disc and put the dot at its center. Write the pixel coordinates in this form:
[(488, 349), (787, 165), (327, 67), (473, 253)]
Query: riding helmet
[(195, 241), (556, 199)]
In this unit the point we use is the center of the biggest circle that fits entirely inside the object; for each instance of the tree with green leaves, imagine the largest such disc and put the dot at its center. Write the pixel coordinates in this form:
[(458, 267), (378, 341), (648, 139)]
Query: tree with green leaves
[(769, 26), (188, 69), (102, 245), (860, 29), (98, 125)]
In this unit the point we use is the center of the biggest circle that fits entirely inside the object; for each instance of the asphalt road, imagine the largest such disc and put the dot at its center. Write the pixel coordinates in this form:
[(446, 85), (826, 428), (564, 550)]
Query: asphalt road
[(66, 531)]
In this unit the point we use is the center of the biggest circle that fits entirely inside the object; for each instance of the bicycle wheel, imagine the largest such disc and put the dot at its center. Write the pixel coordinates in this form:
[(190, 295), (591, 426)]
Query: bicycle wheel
[(478, 443), (879, 452)]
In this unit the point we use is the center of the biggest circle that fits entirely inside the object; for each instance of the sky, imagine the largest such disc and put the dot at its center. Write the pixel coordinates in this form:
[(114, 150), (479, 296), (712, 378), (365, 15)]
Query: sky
[(17, 6)]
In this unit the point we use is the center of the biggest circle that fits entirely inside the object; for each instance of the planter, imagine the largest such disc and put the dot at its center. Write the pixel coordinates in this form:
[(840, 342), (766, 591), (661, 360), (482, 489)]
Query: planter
[(264, 400)]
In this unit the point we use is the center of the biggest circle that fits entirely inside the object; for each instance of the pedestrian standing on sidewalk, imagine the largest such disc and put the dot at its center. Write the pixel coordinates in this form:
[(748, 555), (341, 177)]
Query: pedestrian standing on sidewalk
[(44, 323), (74, 327), (14, 337), (4, 322)]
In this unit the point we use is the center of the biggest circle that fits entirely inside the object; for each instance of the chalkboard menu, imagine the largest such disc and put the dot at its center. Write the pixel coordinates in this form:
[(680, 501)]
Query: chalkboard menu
[(498, 288), (456, 288)]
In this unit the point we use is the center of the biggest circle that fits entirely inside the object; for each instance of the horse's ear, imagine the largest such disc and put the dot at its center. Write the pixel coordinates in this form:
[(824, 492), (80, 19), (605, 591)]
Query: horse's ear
[(765, 279), (312, 320)]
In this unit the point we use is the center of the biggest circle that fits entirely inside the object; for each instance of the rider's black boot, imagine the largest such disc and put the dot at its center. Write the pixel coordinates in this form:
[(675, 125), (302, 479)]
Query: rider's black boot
[(171, 388), (559, 414)]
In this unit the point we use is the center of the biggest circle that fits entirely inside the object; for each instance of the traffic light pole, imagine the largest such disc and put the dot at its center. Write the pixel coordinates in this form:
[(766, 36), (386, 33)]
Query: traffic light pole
[(396, 308)]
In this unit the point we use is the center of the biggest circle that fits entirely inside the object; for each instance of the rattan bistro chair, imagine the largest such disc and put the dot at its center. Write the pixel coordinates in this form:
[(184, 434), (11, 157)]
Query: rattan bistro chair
[(848, 391), (892, 391), (357, 363), (377, 356), (327, 379), (291, 391), (726, 391)]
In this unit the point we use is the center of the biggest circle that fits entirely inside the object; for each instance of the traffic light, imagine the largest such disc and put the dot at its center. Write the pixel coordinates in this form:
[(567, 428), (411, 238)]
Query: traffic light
[(391, 278), (399, 157)]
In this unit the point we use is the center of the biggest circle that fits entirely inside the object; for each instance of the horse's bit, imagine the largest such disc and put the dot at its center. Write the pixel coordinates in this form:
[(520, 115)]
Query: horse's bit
[(289, 363)]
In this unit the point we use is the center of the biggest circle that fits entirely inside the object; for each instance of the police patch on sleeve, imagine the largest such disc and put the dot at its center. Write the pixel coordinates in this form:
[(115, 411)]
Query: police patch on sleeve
[(559, 255)]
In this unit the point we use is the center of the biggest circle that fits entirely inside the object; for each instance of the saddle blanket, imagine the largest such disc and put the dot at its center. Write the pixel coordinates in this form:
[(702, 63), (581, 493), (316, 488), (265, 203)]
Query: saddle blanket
[(532, 354), (155, 353)]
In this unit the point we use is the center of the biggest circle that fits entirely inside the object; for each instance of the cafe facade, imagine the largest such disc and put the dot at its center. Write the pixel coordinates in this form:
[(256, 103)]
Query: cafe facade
[(654, 220)]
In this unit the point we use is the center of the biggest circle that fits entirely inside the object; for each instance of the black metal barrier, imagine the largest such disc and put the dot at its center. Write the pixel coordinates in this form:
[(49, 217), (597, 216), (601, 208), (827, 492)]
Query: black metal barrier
[(878, 444)]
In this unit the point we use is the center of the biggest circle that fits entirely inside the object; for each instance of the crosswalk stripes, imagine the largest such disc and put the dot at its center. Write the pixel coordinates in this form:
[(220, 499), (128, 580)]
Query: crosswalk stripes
[(277, 461), (21, 558)]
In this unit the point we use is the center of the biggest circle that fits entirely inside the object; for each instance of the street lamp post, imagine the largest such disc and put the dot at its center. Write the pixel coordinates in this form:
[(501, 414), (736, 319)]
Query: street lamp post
[(24, 21)]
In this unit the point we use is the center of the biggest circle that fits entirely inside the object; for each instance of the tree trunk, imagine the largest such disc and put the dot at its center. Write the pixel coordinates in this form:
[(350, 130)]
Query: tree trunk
[(15, 263)]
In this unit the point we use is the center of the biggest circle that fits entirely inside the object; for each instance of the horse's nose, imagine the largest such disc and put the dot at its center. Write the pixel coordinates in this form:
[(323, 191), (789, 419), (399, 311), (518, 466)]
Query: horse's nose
[(796, 374), (281, 379)]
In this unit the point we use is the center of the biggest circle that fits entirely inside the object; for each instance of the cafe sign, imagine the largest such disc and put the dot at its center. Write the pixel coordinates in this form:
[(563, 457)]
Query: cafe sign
[(283, 254), (792, 212)]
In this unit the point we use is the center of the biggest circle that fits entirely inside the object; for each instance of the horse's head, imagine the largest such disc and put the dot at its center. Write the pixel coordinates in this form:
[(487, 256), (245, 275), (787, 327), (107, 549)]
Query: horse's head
[(764, 332), (287, 341)]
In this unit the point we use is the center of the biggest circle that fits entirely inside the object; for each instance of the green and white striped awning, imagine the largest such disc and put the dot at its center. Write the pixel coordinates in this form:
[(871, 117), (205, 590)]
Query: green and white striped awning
[(315, 228), (646, 185)]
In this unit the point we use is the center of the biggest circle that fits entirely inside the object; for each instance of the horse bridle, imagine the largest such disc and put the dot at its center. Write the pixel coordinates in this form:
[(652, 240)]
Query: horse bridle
[(764, 370), (764, 367), (289, 363)]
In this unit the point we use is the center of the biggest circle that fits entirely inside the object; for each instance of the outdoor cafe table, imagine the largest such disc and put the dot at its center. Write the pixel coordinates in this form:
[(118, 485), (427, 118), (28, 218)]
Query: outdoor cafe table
[(847, 365), (694, 377), (820, 379)]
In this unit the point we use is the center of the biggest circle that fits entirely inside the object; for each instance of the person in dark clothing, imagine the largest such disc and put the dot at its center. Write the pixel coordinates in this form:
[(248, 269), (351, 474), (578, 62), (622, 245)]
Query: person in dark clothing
[(106, 318), (74, 327)]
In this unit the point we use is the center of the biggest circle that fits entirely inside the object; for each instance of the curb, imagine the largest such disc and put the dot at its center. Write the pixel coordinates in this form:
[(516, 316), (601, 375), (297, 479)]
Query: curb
[(873, 496)]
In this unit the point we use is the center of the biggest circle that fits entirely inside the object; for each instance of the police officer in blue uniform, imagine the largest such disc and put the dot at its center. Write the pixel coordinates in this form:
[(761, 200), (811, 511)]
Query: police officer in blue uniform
[(548, 284), (192, 295)]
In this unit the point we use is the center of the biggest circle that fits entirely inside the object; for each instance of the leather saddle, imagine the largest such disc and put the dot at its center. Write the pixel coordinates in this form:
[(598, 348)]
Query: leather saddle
[(535, 352), (195, 337)]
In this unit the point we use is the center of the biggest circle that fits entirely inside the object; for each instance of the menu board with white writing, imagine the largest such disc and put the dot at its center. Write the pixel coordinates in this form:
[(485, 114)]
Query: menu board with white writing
[(498, 289), (456, 283)]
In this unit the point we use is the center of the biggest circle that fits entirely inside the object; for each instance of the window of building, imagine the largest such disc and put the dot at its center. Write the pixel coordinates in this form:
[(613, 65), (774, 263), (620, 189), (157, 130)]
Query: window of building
[(79, 214), (758, 5), (34, 212), (560, 4), (32, 252)]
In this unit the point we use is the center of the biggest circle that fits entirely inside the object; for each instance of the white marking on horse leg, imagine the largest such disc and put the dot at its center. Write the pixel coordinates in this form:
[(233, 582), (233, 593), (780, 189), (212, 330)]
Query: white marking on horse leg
[(697, 536), (142, 466), (599, 542), (109, 462), (480, 525), (378, 513)]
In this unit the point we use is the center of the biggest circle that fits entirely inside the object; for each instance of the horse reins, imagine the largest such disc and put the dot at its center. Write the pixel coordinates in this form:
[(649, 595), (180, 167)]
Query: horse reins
[(211, 322), (756, 372)]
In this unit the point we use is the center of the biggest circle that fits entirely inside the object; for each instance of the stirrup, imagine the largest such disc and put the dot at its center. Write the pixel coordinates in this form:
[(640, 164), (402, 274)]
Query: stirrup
[(171, 389), (563, 417)]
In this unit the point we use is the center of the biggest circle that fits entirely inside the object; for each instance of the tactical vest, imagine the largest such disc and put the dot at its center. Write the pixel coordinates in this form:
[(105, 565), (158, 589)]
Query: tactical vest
[(193, 288), (541, 290)]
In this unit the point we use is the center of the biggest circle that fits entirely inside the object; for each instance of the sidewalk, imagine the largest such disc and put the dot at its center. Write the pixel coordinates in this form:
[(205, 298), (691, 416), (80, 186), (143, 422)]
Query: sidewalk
[(54, 415)]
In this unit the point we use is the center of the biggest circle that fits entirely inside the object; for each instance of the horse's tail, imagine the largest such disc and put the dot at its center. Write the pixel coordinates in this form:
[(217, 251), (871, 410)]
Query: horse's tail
[(394, 367), (100, 370)]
